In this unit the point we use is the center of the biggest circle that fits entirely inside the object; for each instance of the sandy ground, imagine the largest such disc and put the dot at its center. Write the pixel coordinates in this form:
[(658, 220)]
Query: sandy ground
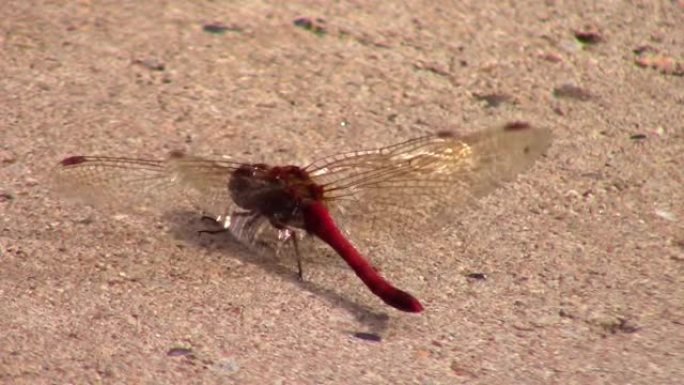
[(583, 255)]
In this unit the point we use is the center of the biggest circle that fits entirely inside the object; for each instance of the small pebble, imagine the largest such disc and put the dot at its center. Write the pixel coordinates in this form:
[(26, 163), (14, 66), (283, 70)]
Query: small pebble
[(178, 352)]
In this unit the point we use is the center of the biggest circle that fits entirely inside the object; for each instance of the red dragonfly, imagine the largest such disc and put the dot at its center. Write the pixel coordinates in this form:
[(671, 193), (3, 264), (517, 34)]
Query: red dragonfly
[(275, 207)]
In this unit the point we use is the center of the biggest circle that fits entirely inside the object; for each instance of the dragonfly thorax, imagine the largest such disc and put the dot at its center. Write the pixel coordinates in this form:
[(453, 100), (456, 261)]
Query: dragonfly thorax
[(275, 192)]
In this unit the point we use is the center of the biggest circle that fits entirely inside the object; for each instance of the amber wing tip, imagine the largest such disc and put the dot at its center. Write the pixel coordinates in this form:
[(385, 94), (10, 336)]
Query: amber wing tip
[(72, 160)]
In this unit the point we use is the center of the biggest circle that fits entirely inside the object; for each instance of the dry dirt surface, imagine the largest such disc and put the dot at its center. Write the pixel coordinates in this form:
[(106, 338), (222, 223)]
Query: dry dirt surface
[(572, 274)]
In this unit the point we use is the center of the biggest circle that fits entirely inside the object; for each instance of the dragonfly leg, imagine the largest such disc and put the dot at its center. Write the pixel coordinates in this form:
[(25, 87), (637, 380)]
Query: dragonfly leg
[(298, 256), (291, 235), (217, 231), (207, 218), (224, 221)]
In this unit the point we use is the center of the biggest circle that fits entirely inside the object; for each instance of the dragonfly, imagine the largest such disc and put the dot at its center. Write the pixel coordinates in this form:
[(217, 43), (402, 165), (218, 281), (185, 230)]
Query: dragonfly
[(271, 208)]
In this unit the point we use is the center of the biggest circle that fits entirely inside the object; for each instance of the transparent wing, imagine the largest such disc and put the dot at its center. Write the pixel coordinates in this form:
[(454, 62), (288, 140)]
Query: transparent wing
[(443, 168), (128, 183), (118, 183)]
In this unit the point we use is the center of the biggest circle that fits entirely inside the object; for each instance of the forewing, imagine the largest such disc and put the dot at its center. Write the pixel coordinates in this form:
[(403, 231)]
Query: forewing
[(129, 183), (440, 169), (115, 183)]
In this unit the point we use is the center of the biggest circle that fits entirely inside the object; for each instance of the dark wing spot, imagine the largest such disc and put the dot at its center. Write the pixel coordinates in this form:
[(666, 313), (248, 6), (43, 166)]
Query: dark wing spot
[(176, 154), (72, 160), (516, 126), (445, 134)]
